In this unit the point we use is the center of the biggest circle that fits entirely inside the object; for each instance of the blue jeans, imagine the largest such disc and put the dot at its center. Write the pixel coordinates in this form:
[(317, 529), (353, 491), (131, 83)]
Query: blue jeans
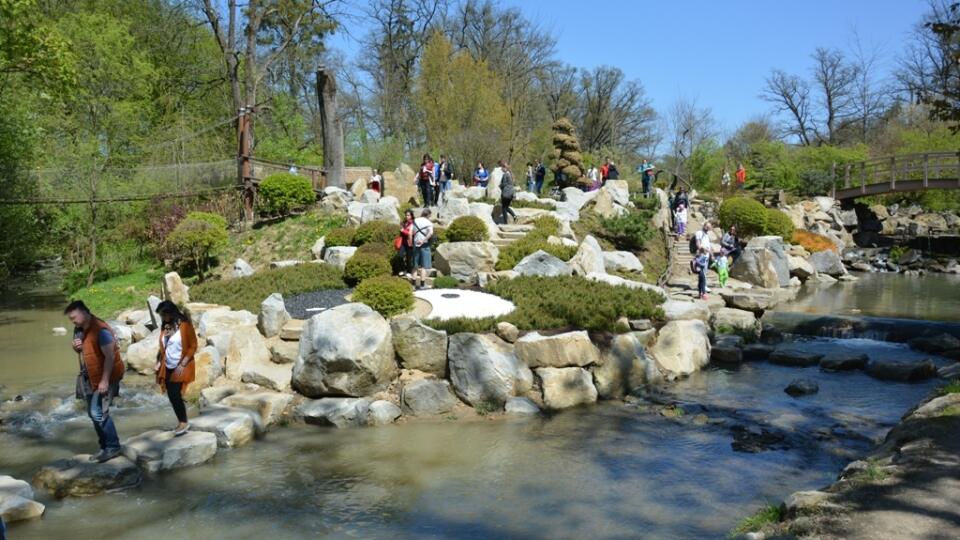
[(539, 185), (702, 282), (427, 191), (102, 423), (422, 257)]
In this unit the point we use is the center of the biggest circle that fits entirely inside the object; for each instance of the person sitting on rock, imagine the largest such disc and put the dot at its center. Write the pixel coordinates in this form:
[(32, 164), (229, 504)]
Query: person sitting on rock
[(730, 243), (101, 369), (175, 367)]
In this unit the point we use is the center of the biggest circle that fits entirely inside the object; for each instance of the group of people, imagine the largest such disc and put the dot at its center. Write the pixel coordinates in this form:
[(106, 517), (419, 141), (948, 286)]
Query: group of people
[(701, 246), (598, 177), (741, 178), (102, 369), (433, 178), (414, 244)]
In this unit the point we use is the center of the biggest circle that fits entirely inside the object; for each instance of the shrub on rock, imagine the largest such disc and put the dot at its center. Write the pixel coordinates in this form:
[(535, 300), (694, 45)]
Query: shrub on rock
[(629, 231), (377, 232), (467, 229), (778, 224), (386, 294), (341, 236), (282, 192), (365, 265)]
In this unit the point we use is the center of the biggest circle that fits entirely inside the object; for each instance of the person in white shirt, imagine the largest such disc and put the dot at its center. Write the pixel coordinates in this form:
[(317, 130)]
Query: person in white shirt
[(422, 233), (703, 242), (376, 182), (680, 218)]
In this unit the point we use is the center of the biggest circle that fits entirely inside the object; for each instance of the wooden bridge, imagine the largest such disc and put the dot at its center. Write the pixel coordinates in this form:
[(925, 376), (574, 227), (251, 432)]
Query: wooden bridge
[(895, 174)]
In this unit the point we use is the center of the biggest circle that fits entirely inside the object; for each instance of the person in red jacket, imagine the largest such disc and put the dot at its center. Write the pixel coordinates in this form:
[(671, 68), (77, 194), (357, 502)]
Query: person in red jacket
[(741, 176)]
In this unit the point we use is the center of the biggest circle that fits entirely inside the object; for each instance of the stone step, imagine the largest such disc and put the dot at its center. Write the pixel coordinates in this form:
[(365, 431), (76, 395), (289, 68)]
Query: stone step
[(502, 243), (292, 329), (516, 228), (513, 234)]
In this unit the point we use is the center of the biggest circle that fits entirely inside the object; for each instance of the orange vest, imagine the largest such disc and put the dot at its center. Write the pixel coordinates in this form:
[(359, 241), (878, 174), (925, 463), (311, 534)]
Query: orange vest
[(188, 347), (93, 354)]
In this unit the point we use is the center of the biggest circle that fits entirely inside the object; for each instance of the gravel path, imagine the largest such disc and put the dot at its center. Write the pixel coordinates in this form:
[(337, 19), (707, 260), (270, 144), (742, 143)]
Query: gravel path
[(297, 305)]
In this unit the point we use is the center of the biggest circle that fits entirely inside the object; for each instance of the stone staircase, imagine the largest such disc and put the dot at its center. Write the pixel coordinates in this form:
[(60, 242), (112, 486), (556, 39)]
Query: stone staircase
[(680, 249), (510, 234)]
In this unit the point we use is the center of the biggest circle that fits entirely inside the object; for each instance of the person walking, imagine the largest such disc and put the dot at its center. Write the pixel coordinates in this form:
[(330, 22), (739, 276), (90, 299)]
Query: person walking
[(646, 177), (725, 181), (175, 366), (680, 219), (702, 239), (425, 179), (404, 243), (741, 176), (539, 174), (480, 176), (507, 191), (530, 181), (101, 370), (422, 234), (700, 264)]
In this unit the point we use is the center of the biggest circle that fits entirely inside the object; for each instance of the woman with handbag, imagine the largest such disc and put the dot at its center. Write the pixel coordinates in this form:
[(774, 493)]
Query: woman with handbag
[(175, 367), (404, 243)]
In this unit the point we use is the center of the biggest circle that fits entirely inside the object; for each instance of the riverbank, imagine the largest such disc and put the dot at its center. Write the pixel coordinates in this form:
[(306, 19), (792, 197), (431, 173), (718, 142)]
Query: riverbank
[(907, 488)]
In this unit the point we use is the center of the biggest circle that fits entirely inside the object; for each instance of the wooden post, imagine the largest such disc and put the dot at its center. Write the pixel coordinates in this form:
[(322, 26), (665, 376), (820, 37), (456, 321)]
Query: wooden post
[(926, 170), (833, 179), (893, 174), (863, 177), (333, 162), (846, 177)]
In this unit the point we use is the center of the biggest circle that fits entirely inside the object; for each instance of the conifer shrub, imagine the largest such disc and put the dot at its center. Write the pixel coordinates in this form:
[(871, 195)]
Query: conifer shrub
[(778, 224), (279, 194), (341, 236), (363, 266), (467, 229), (376, 232), (387, 295)]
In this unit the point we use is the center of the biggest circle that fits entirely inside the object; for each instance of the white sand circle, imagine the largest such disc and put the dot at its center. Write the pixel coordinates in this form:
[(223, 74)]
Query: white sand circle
[(453, 303)]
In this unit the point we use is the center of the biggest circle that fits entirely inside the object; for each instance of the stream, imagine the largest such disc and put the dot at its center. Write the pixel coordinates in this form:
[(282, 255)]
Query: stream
[(614, 470)]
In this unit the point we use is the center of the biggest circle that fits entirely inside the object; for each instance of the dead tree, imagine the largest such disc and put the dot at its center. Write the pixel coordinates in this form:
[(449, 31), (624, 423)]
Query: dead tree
[(332, 128)]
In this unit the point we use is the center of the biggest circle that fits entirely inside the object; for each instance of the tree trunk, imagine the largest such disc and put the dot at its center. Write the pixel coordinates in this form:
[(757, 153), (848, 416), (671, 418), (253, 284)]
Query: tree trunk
[(332, 129)]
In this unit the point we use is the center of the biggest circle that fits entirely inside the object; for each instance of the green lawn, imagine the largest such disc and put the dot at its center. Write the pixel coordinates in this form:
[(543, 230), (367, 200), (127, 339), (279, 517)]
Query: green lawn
[(107, 298)]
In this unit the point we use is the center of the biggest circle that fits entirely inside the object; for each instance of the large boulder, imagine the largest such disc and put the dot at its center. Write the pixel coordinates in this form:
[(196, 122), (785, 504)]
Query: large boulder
[(619, 190), (560, 350), (273, 315), (271, 406), (80, 477), (333, 362), (794, 356), (251, 361), (624, 366), (16, 500), (484, 211), (756, 266), (418, 346), (381, 211), (605, 206), (735, 320), (589, 258), (521, 406), (485, 369), (827, 262), (493, 185), (800, 267), (142, 355), (621, 261), (208, 365), (174, 289), (541, 263), (232, 426), (728, 350), (682, 347), (317, 249), (679, 310), (566, 387), (222, 319), (463, 260), (425, 397), (843, 360), (453, 207), (242, 268), (935, 344), (338, 255), (335, 412), (160, 450), (756, 300)]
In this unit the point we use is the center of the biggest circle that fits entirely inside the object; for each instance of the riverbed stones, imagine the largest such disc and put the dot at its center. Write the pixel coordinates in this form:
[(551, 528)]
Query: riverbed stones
[(800, 267), (271, 406), (79, 477), (418, 346), (223, 319), (681, 310), (589, 258), (521, 406), (757, 300), (333, 362), (208, 365), (16, 500), (382, 211), (335, 412), (560, 350), (682, 347), (273, 315), (485, 369), (566, 387), (757, 351), (232, 426), (827, 262), (250, 361), (727, 350), (507, 332), (282, 351), (843, 360), (142, 355), (739, 321), (935, 344), (463, 260), (541, 263), (382, 412), (793, 356), (242, 269), (292, 330), (801, 387), (890, 370), (426, 397), (159, 450), (624, 366), (174, 289)]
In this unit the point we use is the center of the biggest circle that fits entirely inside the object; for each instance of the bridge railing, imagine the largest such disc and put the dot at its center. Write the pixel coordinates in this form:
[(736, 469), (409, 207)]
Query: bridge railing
[(928, 167)]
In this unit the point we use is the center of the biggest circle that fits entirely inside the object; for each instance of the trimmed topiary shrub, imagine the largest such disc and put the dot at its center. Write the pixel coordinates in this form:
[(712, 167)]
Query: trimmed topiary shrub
[(467, 229), (342, 236), (375, 232), (364, 266), (387, 295), (778, 224), (282, 192), (445, 282), (749, 216)]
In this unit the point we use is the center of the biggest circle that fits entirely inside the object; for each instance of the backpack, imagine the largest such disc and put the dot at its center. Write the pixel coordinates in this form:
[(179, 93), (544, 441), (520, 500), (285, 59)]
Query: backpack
[(693, 266), (613, 173), (693, 245)]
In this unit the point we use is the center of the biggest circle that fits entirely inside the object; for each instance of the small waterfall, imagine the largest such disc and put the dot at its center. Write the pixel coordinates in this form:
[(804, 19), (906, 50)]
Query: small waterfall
[(846, 327)]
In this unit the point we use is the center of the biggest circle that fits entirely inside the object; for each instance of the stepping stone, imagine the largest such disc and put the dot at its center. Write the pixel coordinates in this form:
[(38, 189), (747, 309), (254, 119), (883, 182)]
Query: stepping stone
[(269, 405), (521, 406), (843, 361), (757, 351), (336, 412), (16, 500), (292, 329), (888, 370), (80, 477), (727, 350), (794, 357), (802, 387), (157, 450), (382, 413), (233, 426)]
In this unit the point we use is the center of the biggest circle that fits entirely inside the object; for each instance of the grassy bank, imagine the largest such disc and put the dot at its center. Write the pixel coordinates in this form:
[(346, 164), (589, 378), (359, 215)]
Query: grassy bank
[(290, 238), (108, 297)]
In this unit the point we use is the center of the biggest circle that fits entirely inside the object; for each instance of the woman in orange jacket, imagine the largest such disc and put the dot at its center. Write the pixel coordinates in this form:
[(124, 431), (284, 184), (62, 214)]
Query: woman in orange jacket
[(175, 366)]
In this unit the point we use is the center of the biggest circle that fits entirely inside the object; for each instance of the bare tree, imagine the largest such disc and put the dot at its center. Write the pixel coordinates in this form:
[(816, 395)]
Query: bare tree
[(613, 112), (870, 95), (791, 94), (836, 81), (689, 126), (559, 86), (926, 64)]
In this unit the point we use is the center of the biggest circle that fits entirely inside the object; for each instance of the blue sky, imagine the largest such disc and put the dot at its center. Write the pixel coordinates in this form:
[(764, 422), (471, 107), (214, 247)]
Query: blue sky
[(718, 52)]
